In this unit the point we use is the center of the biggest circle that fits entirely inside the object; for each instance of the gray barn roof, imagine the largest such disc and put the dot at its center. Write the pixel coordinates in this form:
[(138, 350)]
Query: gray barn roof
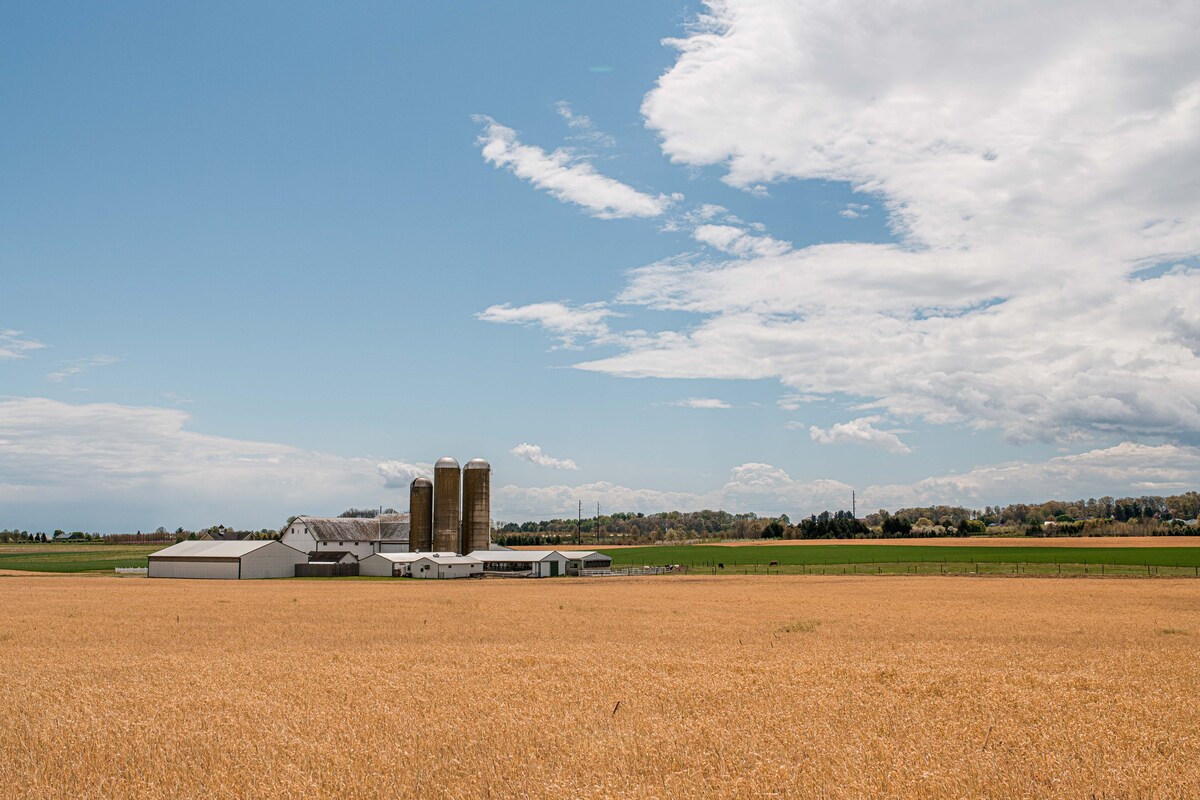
[(209, 549), (386, 528)]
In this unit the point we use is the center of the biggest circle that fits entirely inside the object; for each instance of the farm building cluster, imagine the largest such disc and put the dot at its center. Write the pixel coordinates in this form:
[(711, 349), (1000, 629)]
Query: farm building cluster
[(445, 534)]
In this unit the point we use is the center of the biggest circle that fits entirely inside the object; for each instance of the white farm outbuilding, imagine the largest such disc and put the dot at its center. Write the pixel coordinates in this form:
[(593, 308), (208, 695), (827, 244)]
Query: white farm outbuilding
[(522, 563), (392, 565), (443, 566), (226, 560), (578, 560)]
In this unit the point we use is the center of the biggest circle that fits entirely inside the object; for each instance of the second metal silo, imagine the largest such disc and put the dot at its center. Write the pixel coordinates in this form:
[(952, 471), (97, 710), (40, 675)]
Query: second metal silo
[(420, 515), (446, 500), (477, 505)]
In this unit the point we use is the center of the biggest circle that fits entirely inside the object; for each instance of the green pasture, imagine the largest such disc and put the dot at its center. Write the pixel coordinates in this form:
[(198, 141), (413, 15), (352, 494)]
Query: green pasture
[(52, 557), (919, 559)]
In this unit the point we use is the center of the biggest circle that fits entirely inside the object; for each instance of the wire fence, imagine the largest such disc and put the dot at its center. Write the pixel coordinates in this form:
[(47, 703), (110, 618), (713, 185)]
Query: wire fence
[(1048, 569)]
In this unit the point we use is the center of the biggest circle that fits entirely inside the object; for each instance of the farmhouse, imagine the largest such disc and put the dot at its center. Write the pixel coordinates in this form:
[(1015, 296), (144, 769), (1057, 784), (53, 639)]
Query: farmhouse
[(387, 533), (392, 565), (226, 560), (522, 563)]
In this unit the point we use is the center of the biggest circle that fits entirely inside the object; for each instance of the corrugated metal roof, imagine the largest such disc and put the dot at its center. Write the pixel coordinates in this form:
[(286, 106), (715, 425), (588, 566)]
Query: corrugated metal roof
[(214, 549), (327, 556), (402, 558), (514, 556), (448, 559), (386, 528)]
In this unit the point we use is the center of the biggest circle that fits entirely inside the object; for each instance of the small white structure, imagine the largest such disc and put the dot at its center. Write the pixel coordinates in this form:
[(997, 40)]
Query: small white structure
[(226, 560), (392, 565), (443, 566), (578, 560), (522, 563), (387, 533)]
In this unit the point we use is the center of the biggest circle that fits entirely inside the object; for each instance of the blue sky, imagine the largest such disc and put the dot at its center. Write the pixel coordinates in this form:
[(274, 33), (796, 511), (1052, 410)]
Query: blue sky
[(259, 259)]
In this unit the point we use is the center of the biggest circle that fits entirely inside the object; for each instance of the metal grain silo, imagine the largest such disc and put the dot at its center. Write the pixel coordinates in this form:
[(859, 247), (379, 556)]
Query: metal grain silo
[(477, 505), (446, 501), (420, 515)]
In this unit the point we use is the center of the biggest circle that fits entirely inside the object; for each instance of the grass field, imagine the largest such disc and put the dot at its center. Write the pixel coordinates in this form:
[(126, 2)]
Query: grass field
[(738, 687), (923, 559), (51, 557)]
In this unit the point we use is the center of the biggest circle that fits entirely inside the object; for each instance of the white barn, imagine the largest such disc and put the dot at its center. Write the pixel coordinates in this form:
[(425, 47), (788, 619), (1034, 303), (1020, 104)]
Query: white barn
[(523, 563), (387, 533), (443, 566), (392, 565), (235, 560)]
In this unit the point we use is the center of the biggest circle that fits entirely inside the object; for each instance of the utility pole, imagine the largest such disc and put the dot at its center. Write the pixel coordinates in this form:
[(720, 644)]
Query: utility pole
[(853, 504), (579, 525), (597, 523)]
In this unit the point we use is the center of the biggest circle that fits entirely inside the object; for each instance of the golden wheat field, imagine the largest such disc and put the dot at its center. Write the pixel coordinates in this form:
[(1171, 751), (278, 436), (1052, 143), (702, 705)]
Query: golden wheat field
[(727, 687)]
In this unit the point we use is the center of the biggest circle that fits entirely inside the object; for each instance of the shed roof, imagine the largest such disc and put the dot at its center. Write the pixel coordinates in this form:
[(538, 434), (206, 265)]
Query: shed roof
[(327, 556), (583, 555), (385, 527), (440, 559), (214, 549), (515, 556), (404, 558)]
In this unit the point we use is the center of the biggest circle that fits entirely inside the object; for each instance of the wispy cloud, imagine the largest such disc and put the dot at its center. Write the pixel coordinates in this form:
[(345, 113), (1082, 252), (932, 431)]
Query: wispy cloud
[(569, 324), (534, 455), (582, 127), (13, 344), (565, 176), (702, 402), (71, 368)]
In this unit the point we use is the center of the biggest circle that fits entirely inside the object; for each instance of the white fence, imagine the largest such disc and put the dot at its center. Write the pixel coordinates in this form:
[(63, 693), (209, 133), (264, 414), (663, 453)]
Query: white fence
[(132, 570), (676, 569)]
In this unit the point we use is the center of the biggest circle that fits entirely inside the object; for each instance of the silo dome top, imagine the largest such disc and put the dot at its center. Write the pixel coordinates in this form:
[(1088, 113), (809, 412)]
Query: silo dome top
[(446, 462), (477, 463), (422, 483)]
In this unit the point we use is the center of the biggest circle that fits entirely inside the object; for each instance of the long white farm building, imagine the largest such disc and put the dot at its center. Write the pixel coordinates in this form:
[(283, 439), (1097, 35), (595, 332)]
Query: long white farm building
[(393, 565), (235, 560)]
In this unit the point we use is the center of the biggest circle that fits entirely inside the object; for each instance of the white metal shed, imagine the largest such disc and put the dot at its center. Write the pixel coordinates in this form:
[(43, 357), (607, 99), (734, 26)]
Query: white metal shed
[(226, 560), (523, 563), (441, 566), (585, 559), (392, 565)]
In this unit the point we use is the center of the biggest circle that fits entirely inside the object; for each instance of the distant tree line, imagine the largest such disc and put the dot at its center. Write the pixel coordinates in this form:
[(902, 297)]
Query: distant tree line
[(1147, 515)]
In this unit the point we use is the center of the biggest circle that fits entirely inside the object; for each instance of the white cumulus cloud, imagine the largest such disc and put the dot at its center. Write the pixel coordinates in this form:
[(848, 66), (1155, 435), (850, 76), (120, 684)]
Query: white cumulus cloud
[(399, 474), (860, 431), (534, 455), (1032, 162)]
